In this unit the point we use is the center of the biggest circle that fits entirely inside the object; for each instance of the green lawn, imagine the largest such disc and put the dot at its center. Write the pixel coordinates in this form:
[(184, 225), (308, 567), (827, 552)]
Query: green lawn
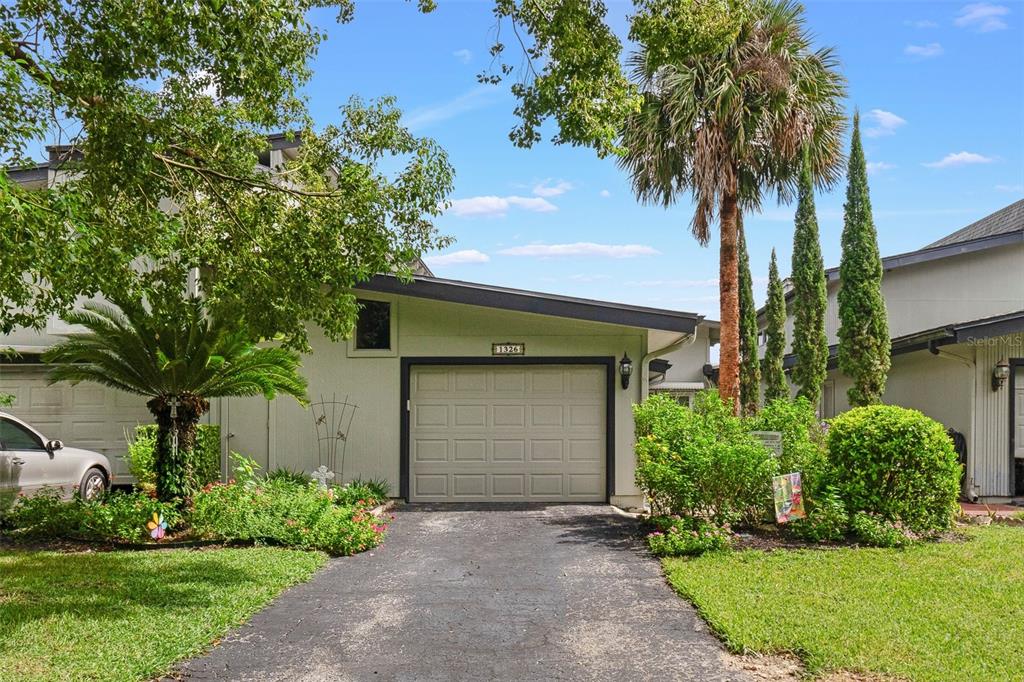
[(950, 611), (130, 615)]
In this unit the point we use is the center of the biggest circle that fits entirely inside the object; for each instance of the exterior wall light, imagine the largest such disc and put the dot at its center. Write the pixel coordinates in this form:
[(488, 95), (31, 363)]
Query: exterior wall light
[(1000, 374), (625, 369)]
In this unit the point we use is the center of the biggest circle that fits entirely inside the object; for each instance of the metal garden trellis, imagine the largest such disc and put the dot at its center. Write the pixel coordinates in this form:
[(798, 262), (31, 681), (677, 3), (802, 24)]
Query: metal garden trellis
[(332, 420)]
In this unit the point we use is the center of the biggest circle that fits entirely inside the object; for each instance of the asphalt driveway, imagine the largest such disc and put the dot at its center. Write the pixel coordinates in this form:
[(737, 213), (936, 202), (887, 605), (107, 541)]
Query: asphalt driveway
[(562, 592)]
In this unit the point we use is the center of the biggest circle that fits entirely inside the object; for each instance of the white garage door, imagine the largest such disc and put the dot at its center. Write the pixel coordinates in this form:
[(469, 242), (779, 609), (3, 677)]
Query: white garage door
[(507, 433), (86, 416)]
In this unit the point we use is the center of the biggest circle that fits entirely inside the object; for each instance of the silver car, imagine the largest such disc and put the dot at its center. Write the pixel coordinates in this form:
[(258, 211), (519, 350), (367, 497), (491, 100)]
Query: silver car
[(29, 461)]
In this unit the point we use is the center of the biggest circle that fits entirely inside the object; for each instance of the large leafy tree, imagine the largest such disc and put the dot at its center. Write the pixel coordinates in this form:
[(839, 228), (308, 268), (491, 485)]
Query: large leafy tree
[(750, 367), (864, 344), (178, 359), (810, 297), (728, 114), (775, 384), (164, 109)]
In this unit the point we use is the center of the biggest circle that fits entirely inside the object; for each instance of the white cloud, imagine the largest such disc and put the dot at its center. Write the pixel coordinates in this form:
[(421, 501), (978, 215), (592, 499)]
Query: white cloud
[(588, 278), (457, 258), (879, 166), (923, 51), (605, 193), (581, 249), (550, 188), (982, 17), (463, 55), (886, 123), (1015, 189), (959, 159), (492, 206), (922, 23), (477, 98)]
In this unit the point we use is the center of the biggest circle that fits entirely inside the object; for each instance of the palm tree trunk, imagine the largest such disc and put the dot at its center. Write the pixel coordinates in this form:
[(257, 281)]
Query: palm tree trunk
[(172, 460), (729, 300)]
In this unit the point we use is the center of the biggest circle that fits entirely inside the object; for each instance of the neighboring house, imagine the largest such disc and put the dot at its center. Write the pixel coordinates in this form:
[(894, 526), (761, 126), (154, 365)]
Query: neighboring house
[(464, 392), (685, 369), (956, 317)]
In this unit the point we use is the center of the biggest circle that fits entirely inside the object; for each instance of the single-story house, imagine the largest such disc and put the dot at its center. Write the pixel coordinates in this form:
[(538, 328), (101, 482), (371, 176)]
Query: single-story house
[(956, 317), (452, 391)]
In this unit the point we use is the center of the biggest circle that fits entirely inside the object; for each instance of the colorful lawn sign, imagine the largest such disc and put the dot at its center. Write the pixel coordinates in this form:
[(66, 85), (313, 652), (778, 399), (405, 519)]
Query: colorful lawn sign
[(789, 499), (157, 527)]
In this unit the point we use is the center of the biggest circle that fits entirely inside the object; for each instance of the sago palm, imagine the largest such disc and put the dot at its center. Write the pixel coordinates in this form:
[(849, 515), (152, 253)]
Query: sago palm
[(731, 123), (179, 361)]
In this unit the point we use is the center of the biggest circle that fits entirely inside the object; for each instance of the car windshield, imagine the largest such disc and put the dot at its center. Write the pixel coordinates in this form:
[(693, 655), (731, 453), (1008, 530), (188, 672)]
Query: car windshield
[(16, 437)]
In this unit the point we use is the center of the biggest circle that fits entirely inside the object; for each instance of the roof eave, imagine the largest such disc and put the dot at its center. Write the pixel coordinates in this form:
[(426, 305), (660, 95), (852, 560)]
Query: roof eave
[(518, 300)]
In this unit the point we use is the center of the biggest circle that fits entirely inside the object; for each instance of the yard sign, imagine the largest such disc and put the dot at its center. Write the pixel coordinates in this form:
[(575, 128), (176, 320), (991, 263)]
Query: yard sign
[(789, 499)]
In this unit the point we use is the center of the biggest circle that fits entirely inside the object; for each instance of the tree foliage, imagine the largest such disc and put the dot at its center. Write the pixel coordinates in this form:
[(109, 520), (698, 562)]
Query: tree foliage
[(810, 297), (864, 344), (164, 109), (179, 358), (731, 97), (750, 367), (775, 382)]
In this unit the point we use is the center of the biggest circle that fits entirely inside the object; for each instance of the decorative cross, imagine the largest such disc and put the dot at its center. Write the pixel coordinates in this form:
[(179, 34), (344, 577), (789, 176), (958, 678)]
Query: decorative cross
[(322, 475)]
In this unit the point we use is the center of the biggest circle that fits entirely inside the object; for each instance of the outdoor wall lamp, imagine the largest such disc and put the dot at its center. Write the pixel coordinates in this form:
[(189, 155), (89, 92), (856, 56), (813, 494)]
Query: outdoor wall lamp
[(625, 369), (1000, 374)]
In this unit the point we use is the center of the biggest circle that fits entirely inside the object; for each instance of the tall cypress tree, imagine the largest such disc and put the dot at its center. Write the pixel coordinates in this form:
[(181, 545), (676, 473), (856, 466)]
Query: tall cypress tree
[(864, 344), (810, 297), (750, 363), (775, 385)]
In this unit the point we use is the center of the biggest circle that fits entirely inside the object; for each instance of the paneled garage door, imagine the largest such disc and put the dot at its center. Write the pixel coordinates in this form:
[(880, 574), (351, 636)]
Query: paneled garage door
[(87, 415), (507, 433)]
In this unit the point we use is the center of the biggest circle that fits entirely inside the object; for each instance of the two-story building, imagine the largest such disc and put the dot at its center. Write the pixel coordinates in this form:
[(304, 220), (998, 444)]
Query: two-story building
[(956, 317)]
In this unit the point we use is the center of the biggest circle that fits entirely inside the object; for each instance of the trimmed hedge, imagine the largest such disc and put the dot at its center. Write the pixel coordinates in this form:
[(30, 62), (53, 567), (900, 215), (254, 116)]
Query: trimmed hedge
[(896, 463), (203, 462)]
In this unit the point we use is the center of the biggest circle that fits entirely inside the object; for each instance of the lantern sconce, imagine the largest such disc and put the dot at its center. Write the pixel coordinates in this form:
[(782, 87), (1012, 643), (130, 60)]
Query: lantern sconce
[(1000, 374), (625, 369)]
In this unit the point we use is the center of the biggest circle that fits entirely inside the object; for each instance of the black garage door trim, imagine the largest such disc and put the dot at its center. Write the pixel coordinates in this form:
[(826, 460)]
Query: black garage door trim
[(608, 362)]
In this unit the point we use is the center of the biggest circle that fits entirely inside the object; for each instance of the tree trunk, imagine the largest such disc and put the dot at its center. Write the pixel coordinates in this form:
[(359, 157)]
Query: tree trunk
[(729, 300), (171, 461)]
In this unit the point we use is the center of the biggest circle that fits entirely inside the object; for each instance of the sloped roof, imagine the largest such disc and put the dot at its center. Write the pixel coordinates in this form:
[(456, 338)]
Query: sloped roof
[(1005, 220), (504, 298)]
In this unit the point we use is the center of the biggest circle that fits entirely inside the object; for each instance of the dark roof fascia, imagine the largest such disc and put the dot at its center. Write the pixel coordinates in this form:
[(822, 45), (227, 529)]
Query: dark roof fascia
[(988, 328), (963, 332), (936, 252), (470, 293)]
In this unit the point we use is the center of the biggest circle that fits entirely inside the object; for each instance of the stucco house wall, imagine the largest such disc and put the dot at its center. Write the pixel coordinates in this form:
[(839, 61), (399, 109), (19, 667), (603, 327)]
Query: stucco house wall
[(281, 433)]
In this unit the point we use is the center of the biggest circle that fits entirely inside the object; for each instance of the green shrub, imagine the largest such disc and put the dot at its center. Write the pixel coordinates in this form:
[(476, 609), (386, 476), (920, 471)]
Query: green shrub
[(827, 520), (682, 536), (702, 462), (896, 463), (803, 441), (282, 511), (203, 462), (282, 474), (378, 487), (115, 517), (877, 531)]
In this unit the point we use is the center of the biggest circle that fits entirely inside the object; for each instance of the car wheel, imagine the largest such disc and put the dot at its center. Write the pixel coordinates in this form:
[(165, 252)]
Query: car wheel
[(93, 484)]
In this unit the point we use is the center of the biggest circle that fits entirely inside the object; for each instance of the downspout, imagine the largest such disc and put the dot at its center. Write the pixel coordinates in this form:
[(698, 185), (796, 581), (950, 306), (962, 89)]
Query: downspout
[(645, 370), (972, 487)]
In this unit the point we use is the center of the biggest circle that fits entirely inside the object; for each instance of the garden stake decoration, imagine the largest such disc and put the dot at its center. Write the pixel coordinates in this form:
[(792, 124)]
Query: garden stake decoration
[(321, 475), (332, 420), (789, 498), (157, 526)]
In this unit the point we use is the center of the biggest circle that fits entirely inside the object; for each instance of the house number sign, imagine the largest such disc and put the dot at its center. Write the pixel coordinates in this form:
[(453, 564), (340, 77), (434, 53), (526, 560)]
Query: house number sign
[(508, 349)]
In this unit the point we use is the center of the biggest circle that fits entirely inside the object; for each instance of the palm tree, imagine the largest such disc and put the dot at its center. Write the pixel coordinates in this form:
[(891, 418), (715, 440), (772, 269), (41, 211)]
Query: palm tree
[(729, 124), (179, 361)]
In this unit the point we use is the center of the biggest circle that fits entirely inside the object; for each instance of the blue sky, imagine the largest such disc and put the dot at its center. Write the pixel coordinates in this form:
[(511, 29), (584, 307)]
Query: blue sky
[(940, 87)]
